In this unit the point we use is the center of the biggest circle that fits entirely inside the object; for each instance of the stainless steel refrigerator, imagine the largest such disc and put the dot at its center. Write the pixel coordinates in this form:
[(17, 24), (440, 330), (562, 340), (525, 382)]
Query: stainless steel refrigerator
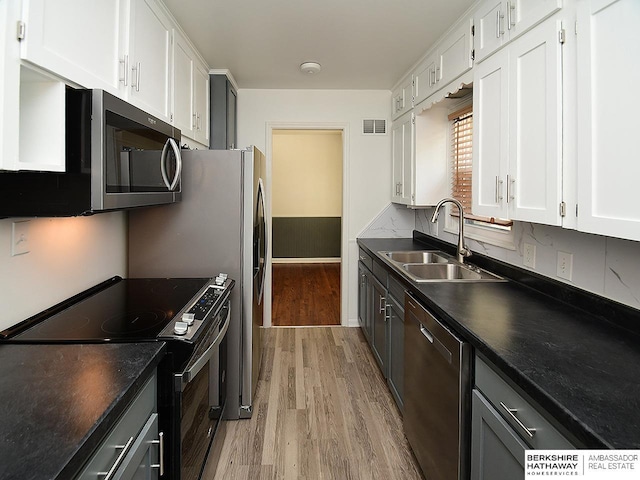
[(218, 227)]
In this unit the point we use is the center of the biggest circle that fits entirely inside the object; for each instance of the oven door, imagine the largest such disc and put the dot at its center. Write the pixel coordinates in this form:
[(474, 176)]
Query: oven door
[(200, 396)]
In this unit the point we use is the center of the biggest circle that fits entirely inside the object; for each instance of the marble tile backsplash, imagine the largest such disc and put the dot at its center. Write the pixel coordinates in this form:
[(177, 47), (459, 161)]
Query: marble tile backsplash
[(607, 266), (395, 221)]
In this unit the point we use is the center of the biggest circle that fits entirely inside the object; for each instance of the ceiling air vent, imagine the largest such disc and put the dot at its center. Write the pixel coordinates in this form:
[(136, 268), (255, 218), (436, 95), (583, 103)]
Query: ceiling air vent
[(374, 127)]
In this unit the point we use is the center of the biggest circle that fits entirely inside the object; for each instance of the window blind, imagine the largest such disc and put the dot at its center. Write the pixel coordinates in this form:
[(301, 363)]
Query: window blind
[(462, 153)]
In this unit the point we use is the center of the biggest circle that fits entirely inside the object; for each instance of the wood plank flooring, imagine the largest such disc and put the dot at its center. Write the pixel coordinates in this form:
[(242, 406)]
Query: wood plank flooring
[(322, 411), (305, 294)]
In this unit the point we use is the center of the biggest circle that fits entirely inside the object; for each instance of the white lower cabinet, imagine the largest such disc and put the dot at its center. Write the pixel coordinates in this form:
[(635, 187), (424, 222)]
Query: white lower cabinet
[(517, 164), (504, 424), (608, 167)]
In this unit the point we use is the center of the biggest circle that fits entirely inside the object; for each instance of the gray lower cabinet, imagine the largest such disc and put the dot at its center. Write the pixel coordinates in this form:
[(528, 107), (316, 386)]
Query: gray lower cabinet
[(395, 353), (505, 424), (131, 450), (497, 451), (379, 317)]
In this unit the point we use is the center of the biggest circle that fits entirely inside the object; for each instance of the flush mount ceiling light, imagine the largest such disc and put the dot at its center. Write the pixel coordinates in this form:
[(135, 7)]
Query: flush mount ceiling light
[(310, 67)]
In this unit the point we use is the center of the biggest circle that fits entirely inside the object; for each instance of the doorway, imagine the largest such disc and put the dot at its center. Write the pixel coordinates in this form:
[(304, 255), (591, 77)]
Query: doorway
[(306, 218)]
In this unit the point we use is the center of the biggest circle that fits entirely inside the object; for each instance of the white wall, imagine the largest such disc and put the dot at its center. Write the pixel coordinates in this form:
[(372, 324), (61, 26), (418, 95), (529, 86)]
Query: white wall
[(367, 167), (67, 256), (607, 266)]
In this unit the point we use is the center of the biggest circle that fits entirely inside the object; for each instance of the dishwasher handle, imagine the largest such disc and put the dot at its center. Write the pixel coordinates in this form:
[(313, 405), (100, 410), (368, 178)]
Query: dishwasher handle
[(442, 350)]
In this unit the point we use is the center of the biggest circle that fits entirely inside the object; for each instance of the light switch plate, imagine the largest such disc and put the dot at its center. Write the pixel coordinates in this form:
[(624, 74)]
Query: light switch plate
[(20, 238), (565, 265)]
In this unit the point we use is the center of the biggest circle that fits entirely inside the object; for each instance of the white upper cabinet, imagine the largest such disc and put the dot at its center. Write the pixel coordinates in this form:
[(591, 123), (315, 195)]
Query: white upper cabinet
[(190, 91), (517, 165), (184, 116), (608, 102), (402, 98), (77, 39), (450, 59), (402, 140), (201, 103), (149, 58), (500, 21)]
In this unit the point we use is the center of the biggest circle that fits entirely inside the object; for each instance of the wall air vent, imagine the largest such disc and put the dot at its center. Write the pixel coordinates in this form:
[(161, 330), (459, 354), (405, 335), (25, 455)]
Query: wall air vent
[(374, 127)]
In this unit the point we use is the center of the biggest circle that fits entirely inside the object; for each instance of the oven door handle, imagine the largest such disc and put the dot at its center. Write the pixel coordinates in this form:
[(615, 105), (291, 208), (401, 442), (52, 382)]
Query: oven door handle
[(206, 356)]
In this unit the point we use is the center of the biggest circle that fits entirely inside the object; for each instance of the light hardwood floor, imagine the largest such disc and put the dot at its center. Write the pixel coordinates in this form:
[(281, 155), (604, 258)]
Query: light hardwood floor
[(322, 411)]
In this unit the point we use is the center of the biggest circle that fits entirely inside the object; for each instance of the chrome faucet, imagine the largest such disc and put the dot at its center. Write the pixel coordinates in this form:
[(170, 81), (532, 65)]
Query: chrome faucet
[(463, 250)]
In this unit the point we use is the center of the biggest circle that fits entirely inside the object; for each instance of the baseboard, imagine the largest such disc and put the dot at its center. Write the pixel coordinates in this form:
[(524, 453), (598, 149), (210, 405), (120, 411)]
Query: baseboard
[(353, 322)]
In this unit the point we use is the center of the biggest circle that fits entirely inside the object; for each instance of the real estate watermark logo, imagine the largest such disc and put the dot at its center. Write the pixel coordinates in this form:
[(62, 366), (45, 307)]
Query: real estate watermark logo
[(582, 464)]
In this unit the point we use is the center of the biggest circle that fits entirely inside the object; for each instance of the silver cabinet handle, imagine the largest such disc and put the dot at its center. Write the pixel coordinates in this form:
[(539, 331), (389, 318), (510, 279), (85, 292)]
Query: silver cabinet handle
[(125, 69), (387, 312), (530, 432), (382, 307), (193, 123), (136, 69), (160, 443), (438, 75), (511, 183), (499, 196), (499, 27), (125, 449), (511, 14)]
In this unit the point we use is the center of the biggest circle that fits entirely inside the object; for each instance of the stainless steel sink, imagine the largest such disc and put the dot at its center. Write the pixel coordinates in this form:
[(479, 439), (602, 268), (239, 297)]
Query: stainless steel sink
[(419, 256), (430, 272), (423, 266)]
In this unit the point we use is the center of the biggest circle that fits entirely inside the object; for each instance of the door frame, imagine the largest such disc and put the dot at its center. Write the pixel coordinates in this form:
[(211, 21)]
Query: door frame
[(344, 240)]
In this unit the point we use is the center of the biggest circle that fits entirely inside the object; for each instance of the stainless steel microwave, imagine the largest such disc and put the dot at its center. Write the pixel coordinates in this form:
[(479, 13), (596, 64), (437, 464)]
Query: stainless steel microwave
[(117, 157)]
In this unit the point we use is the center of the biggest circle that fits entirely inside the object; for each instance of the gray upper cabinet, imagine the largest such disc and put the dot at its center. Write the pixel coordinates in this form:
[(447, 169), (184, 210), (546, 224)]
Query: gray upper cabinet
[(223, 113)]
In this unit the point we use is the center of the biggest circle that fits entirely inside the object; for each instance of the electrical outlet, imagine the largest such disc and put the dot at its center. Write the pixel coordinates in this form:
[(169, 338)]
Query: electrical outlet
[(565, 265), (20, 238), (529, 255)]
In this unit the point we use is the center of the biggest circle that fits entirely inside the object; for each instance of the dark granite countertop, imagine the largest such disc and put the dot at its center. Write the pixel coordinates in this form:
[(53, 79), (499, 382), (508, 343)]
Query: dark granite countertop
[(59, 401), (582, 370)]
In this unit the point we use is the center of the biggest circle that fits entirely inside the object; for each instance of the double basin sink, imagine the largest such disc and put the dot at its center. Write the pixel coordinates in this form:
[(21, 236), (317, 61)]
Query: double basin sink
[(435, 266)]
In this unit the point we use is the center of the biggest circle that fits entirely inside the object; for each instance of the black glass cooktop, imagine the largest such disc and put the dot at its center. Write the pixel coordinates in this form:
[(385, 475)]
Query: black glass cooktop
[(130, 309)]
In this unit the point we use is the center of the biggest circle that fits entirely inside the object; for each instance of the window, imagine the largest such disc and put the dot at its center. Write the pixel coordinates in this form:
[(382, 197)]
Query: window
[(486, 229)]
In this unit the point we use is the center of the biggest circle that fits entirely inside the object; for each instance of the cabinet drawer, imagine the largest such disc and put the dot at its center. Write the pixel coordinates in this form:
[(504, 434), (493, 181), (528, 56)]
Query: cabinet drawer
[(365, 258), (130, 424), (396, 289), (380, 273), (524, 418)]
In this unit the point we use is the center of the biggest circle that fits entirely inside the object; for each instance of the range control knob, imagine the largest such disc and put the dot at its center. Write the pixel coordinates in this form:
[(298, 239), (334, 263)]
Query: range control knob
[(180, 328), (188, 318)]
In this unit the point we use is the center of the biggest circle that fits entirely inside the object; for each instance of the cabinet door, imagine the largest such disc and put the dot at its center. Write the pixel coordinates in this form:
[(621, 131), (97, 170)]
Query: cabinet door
[(402, 98), (64, 37), (424, 80), (454, 54), (489, 21), (363, 300), (396, 351), (402, 137), (534, 181), (379, 317), (608, 166), (183, 82), (201, 103), (497, 452), (149, 56), (521, 15), (490, 136)]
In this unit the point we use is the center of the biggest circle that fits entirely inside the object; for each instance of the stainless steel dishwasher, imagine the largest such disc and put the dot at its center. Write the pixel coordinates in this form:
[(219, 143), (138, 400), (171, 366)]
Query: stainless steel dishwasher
[(437, 394)]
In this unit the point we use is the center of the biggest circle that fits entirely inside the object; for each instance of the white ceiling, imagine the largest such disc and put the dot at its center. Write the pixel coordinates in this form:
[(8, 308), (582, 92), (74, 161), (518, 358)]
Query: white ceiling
[(361, 44)]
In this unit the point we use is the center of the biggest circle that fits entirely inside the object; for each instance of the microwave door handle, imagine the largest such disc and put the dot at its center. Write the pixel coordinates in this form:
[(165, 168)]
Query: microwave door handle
[(163, 159)]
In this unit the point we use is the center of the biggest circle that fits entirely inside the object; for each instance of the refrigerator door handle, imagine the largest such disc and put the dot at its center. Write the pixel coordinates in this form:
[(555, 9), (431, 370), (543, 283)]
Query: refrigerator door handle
[(262, 229)]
